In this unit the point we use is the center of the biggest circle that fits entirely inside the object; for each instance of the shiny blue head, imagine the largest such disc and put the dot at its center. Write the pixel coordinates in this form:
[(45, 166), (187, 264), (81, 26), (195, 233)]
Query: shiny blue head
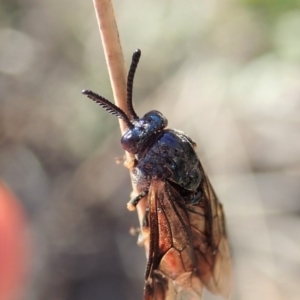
[(140, 131), (137, 138)]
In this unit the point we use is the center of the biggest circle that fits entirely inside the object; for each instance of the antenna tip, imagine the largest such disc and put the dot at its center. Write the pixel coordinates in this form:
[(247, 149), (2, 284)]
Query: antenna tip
[(137, 53), (85, 92)]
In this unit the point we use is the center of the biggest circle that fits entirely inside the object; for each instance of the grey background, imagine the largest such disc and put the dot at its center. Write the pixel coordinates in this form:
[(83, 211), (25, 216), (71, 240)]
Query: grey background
[(225, 72)]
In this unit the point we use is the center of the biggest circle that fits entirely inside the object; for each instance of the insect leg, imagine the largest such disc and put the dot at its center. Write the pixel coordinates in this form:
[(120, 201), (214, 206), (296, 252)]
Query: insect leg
[(133, 202), (196, 198), (144, 231)]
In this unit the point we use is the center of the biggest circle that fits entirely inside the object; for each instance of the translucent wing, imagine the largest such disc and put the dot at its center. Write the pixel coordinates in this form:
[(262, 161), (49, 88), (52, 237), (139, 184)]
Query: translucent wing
[(211, 247), (171, 272), (188, 245)]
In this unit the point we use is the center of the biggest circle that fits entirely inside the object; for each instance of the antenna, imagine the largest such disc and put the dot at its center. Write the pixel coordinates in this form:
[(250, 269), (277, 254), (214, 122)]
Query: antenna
[(135, 60), (108, 106)]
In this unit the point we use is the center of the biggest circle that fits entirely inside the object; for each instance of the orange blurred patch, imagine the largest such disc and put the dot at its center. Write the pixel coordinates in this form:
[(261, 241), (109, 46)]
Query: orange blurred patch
[(14, 245)]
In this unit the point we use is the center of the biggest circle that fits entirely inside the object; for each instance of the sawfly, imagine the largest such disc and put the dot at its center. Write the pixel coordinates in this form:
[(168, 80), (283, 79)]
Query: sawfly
[(188, 243)]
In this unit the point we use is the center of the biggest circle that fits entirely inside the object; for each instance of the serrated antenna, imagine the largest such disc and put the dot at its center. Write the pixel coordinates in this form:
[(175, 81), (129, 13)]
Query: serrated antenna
[(134, 62), (108, 106)]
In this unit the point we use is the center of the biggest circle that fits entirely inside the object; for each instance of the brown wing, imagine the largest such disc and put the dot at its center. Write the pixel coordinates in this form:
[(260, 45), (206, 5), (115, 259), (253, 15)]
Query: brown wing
[(210, 241), (171, 272)]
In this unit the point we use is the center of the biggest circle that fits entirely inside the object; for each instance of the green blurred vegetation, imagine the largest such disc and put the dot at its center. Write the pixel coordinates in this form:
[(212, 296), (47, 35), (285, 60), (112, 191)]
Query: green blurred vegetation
[(273, 8)]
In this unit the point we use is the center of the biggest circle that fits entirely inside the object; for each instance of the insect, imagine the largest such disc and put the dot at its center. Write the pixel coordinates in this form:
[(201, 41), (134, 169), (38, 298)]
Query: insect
[(188, 243)]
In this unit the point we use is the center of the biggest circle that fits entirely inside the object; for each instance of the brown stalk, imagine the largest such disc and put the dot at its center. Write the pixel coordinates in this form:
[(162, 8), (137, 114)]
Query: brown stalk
[(118, 76)]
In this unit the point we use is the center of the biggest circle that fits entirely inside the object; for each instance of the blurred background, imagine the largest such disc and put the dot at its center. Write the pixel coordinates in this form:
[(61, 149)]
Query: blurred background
[(225, 72)]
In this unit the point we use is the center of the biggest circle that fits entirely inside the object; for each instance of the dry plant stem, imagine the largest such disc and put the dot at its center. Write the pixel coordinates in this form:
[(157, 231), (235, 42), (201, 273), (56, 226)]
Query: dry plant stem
[(117, 73)]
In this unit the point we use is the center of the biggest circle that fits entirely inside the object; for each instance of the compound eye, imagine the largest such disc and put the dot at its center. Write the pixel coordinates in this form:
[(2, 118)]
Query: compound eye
[(156, 118), (130, 140)]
